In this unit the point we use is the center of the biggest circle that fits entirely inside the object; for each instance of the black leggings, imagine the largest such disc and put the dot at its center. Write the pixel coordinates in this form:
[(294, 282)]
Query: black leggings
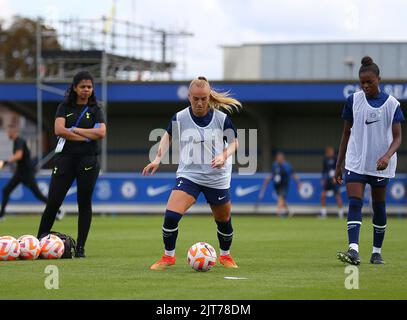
[(26, 178), (83, 168)]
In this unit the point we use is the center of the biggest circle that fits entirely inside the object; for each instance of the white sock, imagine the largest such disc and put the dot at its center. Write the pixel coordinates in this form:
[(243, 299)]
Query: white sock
[(170, 253), (340, 213), (323, 211), (224, 253), (377, 250), (354, 246)]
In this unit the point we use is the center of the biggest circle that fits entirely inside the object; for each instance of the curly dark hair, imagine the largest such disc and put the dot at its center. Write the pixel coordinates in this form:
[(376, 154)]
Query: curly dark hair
[(71, 96)]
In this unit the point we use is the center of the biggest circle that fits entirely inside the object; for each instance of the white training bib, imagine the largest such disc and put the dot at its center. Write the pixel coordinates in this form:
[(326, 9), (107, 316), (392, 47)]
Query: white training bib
[(371, 136), (198, 146)]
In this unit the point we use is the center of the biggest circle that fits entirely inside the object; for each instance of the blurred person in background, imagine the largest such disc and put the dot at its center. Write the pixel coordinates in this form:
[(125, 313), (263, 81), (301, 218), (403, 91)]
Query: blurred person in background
[(328, 183), (24, 172), (281, 173)]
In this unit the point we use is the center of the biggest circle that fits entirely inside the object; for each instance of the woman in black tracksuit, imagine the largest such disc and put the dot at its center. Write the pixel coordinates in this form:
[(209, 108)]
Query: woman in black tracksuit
[(24, 172), (79, 124)]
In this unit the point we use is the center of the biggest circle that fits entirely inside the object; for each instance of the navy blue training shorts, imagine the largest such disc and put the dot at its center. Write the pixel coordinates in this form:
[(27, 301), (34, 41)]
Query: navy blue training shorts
[(375, 182), (212, 196)]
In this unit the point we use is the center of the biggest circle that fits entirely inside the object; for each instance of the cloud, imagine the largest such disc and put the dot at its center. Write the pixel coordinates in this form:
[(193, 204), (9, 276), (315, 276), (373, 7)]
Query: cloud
[(6, 10), (208, 21), (319, 19), (230, 22), (234, 22)]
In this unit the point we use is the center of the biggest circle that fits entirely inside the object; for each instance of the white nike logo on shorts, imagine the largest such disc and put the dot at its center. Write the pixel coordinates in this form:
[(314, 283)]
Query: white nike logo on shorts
[(220, 198), (378, 179)]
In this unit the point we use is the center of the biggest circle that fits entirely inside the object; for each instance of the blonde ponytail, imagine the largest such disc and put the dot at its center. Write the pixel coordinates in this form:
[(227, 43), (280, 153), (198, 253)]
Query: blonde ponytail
[(218, 100)]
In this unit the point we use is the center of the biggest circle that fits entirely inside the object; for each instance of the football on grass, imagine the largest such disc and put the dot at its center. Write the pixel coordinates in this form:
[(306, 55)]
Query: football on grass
[(52, 247), (201, 256), (30, 247), (9, 248)]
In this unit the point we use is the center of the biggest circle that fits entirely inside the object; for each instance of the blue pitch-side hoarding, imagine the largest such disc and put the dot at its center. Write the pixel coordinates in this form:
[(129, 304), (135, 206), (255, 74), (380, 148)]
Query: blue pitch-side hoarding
[(178, 92), (134, 189)]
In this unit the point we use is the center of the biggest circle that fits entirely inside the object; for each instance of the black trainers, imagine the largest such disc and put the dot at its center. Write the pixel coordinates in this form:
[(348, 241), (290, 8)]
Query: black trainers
[(351, 257), (376, 259), (80, 252)]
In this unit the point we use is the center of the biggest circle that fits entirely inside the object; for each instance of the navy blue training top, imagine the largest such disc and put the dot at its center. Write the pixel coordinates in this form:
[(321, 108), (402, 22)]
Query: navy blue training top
[(204, 121), (328, 167), (281, 173), (376, 102)]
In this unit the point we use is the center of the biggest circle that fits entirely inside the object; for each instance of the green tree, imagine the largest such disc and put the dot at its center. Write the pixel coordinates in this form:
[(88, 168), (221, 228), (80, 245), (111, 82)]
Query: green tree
[(18, 47)]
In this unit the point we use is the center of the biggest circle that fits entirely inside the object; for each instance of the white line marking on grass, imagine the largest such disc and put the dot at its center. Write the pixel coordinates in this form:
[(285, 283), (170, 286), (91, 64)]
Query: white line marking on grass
[(235, 278)]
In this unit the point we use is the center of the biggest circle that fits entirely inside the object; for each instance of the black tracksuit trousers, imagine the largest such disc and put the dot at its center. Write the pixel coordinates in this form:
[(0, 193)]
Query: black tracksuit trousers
[(85, 169), (26, 178)]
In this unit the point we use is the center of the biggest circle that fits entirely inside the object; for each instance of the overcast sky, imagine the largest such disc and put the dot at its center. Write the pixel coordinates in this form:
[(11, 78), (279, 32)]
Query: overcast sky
[(234, 22)]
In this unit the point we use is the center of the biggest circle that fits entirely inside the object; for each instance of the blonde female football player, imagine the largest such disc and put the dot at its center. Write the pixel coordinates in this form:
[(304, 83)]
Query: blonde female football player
[(370, 138), (207, 139)]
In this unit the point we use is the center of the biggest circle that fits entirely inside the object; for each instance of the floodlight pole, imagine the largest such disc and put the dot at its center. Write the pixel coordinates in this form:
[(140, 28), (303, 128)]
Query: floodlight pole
[(103, 76), (39, 91)]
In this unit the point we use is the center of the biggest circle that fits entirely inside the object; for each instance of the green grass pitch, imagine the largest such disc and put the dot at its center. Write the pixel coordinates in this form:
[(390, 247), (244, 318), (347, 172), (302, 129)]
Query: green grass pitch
[(282, 258)]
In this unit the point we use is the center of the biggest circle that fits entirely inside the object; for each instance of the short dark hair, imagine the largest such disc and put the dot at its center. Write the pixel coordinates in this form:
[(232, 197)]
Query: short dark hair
[(369, 65), (70, 96)]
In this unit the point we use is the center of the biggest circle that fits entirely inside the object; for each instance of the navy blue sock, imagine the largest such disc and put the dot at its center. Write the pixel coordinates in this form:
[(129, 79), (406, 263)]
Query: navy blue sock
[(170, 229), (225, 234), (379, 223), (354, 219)]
